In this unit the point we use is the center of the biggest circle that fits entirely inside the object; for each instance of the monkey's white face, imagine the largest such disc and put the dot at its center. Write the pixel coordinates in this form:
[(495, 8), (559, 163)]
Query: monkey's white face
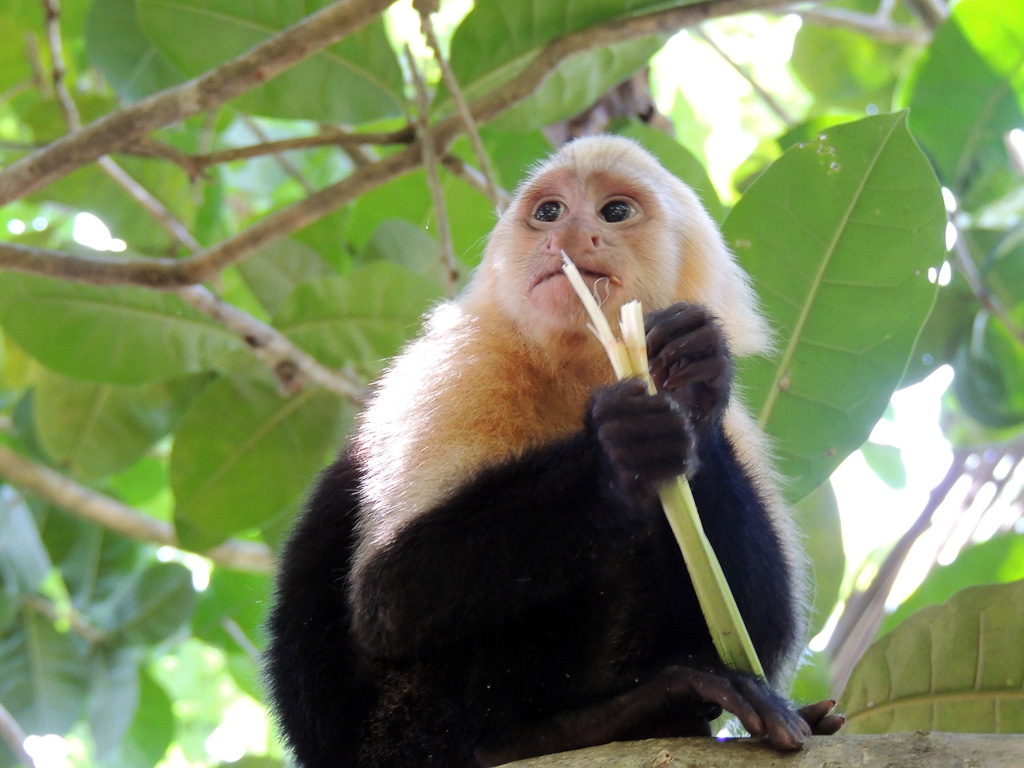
[(612, 228)]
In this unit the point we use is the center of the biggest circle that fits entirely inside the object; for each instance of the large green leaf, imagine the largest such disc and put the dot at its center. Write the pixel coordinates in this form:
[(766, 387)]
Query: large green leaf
[(497, 39), (24, 562), (998, 560), (360, 319), (951, 667), (243, 453), (114, 697), (978, 55), (121, 335), (989, 381), (128, 60), (45, 675), (817, 519), (273, 272), (839, 235), (354, 81), (96, 429), (150, 606)]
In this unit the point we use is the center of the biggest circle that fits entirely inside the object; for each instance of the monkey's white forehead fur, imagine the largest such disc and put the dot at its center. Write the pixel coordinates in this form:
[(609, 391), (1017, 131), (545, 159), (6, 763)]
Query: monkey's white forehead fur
[(615, 154)]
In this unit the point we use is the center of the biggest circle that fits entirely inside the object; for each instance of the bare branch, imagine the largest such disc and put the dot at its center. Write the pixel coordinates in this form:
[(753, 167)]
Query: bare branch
[(427, 27), (864, 611), (170, 274), (292, 366), (328, 137), (129, 125), (110, 513), (13, 735), (78, 623), (873, 25), (458, 167), (770, 101), (430, 163)]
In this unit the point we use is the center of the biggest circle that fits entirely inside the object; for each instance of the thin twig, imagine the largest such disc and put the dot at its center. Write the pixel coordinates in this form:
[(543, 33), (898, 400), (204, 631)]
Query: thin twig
[(14, 736), (455, 91), (91, 505), (279, 157), (130, 124), (459, 167), (430, 163), (291, 365), (864, 610), (770, 101), (169, 274), (76, 621), (874, 25), (981, 292)]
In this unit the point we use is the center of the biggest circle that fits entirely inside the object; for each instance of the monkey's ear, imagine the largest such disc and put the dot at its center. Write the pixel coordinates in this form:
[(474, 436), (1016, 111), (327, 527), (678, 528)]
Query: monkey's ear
[(711, 276)]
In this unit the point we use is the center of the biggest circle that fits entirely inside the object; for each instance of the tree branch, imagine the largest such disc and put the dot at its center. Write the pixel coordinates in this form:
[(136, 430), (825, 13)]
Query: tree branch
[(430, 165), (170, 273), (13, 735), (129, 125), (920, 749), (91, 505), (873, 25)]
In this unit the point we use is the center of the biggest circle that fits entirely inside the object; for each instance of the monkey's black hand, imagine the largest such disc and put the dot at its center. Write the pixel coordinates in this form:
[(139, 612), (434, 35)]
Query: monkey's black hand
[(646, 439), (689, 359), (760, 709), (820, 717)]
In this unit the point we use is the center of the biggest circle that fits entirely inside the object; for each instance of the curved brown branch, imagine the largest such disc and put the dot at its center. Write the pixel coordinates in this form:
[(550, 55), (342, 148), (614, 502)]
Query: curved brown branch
[(170, 274), (130, 124), (110, 513)]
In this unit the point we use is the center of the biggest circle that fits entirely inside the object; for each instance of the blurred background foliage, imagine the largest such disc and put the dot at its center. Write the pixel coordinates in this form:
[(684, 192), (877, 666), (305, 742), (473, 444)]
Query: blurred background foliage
[(865, 159)]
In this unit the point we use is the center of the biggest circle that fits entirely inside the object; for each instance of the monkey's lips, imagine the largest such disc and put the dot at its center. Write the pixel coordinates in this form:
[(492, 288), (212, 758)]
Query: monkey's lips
[(588, 274)]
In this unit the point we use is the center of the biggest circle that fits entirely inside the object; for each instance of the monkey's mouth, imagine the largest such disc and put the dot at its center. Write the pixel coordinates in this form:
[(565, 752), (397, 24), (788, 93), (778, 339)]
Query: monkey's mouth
[(590, 275)]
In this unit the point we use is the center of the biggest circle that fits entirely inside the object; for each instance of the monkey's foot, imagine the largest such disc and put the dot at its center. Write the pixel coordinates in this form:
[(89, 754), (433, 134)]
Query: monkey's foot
[(821, 719)]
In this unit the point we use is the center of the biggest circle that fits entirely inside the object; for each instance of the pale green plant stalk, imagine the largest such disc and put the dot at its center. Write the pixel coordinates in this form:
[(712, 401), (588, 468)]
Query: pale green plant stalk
[(629, 358)]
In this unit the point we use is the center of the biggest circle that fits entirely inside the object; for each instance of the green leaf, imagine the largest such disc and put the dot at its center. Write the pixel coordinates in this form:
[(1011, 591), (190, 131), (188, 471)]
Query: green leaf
[(152, 730), (953, 667), (497, 39), (997, 561), (989, 381), (151, 605), (357, 80), (93, 562), (45, 675), (817, 519), (838, 235), (978, 55), (235, 597), (121, 335), (243, 453), (97, 429), (114, 698), (117, 45), (24, 562), (886, 461), (578, 82), (273, 272), (360, 319)]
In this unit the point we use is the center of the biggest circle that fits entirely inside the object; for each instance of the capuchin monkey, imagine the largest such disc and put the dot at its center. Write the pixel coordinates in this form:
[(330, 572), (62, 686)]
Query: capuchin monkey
[(486, 573)]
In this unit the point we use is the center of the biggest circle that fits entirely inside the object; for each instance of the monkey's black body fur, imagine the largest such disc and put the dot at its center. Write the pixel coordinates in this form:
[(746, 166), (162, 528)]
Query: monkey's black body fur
[(548, 584)]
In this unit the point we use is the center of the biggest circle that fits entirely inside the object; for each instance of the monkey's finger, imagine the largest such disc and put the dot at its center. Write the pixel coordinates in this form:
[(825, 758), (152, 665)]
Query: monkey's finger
[(716, 689), (784, 728), (666, 324), (818, 716), (709, 370)]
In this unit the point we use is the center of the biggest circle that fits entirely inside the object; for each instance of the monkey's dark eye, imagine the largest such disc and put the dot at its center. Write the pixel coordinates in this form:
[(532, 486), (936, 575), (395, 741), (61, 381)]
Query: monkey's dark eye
[(549, 211), (616, 211)]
